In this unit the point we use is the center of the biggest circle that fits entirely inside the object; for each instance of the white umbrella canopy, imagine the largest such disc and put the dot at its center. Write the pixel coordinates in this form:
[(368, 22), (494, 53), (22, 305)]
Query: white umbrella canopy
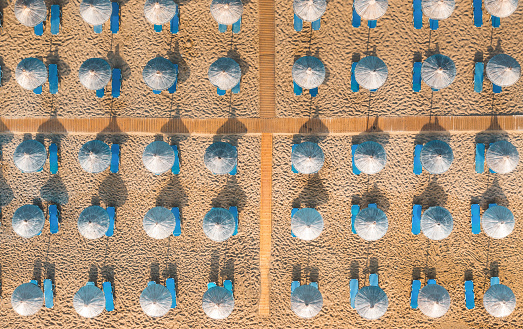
[(89, 301), (307, 158), (370, 157), (308, 72), (224, 73), (159, 73), (28, 221), (30, 156), (309, 10), (371, 72), (93, 222), (94, 73), (436, 223), (226, 12), (436, 157), (434, 300), (159, 223), (371, 9), (502, 157), (27, 299), (159, 12), (501, 8), (438, 9), (497, 222), (503, 70), (306, 301), (218, 224), (156, 300), (158, 157), (218, 303), (307, 224), (95, 12), (94, 156), (438, 71), (220, 158), (31, 73), (371, 302), (30, 12), (371, 224), (499, 300)]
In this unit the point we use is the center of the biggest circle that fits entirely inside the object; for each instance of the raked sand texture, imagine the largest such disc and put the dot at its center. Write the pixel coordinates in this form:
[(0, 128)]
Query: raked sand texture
[(398, 44), (194, 49)]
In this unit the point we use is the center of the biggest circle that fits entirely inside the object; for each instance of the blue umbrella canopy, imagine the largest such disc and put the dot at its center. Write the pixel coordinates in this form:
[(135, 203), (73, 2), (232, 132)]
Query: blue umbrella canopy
[(159, 73), (501, 8), (94, 73), (371, 224), (503, 70), (371, 72), (371, 302), (497, 222), (436, 223), (93, 222), (308, 72), (158, 157), (225, 73), (306, 301), (95, 12), (436, 157), (156, 300), (434, 300), (218, 303), (502, 157), (30, 12), (30, 156), (159, 223), (218, 224), (89, 301), (159, 12), (226, 12), (31, 73), (309, 10), (371, 9), (370, 157), (28, 221), (27, 299), (94, 156), (220, 158), (438, 9), (438, 71), (307, 158), (499, 300), (307, 224)]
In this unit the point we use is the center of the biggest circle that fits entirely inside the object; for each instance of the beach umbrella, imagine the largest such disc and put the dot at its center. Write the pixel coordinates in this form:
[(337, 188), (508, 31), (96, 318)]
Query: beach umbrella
[(307, 158), (503, 70), (30, 156), (436, 156), (438, 71), (434, 300), (159, 223), (94, 156), (31, 73), (159, 73), (371, 9), (436, 223), (306, 301), (501, 8), (27, 299), (308, 72), (28, 221), (159, 12), (89, 301), (156, 300), (371, 302), (499, 300), (218, 224), (218, 303), (158, 157), (94, 73), (307, 224), (497, 222), (502, 157), (371, 224), (220, 158), (438, 9), (370, 157), (226, 12), (30, 12), (371, 72), (95, 12), (225, 73), (309, 10), (93, 222)]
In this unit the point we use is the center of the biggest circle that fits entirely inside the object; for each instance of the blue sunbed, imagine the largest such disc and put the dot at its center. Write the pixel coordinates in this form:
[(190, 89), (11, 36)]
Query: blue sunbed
[(53, 158), (48, 293), (496, 89), (417, 14), (115, 17), (172, 89), (98, 29), (431, 281), (313, 92), (490, 170), (234, 212), (373, 205), (151, 283), (157, 28), (316, 25), (416, 219), (354, 210), (234, 170), (416, 77), (38, 90), (433, 23), (492, 205), (116, 82), (100, 93), (39, 29), (115, 158), (494, 280), (356, 19), (111, 211), (89, 283), (55, 19), (475, 218), (416, 286), (469, 294), (221, 92), (297, 89), (293, 211), (171, 285), (294, 285), (222, 28), (478, 77), (478, 13), (314, 284), (157, 92), (292, 166), (298, 23), (495, 21), (373, 279), (480, 158), (53, 78), (418, 168), (108, 293), (211, 285), (236, 27), (178, 226), (34, 282), (227, 284), (353, 286), (175, 21), (176, 166), (355, 169), (236, 89), (53, 218), (372, 24), (354, 86)]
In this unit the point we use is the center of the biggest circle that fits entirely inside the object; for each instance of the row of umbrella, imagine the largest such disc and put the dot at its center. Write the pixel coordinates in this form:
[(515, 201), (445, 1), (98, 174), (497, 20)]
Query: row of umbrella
[(438, 71)]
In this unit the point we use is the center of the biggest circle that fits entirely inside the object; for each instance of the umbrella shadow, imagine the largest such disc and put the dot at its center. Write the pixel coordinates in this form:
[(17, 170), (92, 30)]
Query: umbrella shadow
[(313, 194), (155, 272), (112, 191), (112, 134), (172, 194), (431, 131), (231, 195), (6, 192), (55, 191), (296, 272), (493, 133), (37, 271), (313, 130), (93, 274), (174, 55), (244, 66), (373, 133), (52, 130), (433, 195), (432, 51), (373, 195), (54, 58), (493, 194), (230, 131), (116, 61), (6, 72)]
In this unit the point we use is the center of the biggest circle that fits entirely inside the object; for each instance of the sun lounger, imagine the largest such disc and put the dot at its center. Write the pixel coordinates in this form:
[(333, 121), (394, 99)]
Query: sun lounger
[(34, 282), (38, 90), (221, 92), (53, 218), (490, 170), (90, 284), (478, 77), (53, 158), (418, 168), (108, 293), (416, 286), (236, 27), (234, 170), (314, 284), (416, 77), (313, 92), (111, 211), (157, 92), (178, 227), (316, 25), (469, 294), (431, 281), (172, 89), (494, 280), (475, 218), (373, 279), (227, 284), (116, 82), (176, 166), (53, 78), (292, 166), (416, 219), (495, 21), (171, 286), (234, 212), (297, 89), (354, 86), (478, 13), (373, 205), (353, 286), (157, 28), (39, 29), (354, 210), (298, 23), (222, 28), (211, 285), (496, 89), (433, 23), (115, 17), (115, 158), (293, 211), (355, 169), (492, 205), (48, 293), (294, 285), (236, 89), (98, 29), (417, 14), (356, 19), (55, 19), (175, 21), (100, 93), (372, 24)]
